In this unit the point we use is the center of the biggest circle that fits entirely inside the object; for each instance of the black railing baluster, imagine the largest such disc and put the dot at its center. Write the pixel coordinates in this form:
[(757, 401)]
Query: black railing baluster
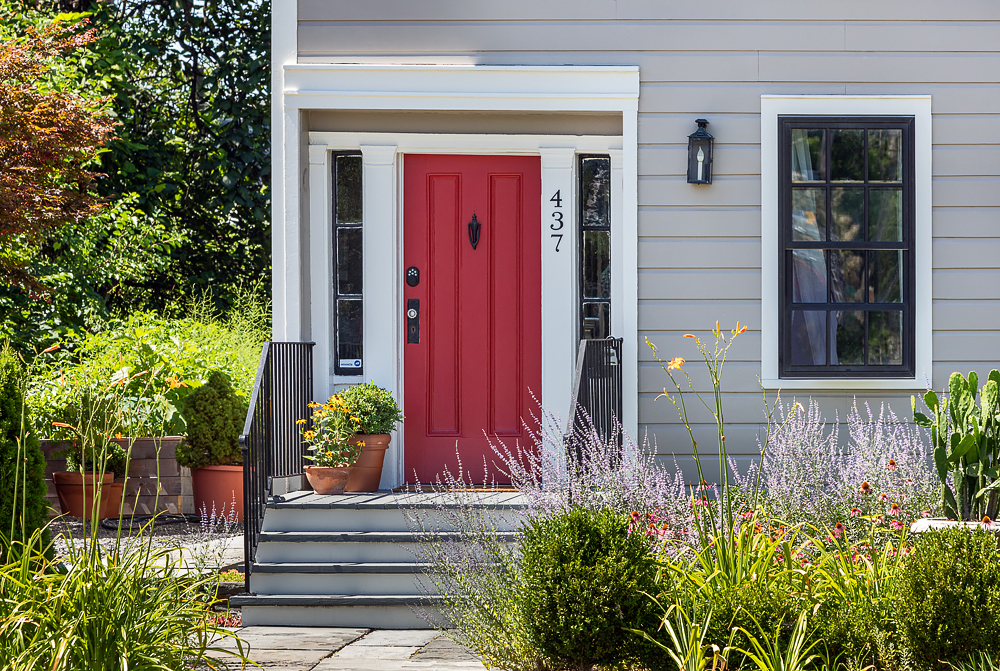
[(597, 393), (271, 443)]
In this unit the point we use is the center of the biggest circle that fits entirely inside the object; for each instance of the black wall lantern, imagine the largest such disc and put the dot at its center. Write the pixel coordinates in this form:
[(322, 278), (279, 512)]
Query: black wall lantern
[(700, 154)]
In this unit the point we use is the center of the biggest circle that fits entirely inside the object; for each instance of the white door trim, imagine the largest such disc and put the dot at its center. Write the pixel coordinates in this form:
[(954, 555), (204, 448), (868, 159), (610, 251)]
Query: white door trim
[(308, 308)]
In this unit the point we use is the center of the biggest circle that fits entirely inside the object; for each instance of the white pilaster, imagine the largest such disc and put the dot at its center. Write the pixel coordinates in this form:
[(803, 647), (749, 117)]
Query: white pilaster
[(628, 244), (284, 47), (559, 291), (382, 251), (321, 269)]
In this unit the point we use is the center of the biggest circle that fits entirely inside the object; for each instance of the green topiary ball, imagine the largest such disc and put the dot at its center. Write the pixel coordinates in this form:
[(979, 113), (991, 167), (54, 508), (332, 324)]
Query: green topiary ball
[(374, 406), (947, 601), (214, 415), (584, 581), (22, 467)]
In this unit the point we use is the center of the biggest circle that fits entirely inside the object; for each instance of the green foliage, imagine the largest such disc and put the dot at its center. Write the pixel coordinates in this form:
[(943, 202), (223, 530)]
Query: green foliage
[(23, 509), (735, 606), (110, 456), (129, 606), (214, 415), (948, 602), (374, 406), (966, 441), (584, 584), (768, 652), (163, 359)]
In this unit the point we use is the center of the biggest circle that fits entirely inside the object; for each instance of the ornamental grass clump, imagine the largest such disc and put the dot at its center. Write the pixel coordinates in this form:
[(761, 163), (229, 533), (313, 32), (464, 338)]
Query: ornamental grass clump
[(328, 437)]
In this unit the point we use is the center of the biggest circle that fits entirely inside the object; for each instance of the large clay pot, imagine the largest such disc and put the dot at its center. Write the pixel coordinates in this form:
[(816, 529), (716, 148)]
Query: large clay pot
[(367, 470), (216, 488), (328, 479), (76, 493)]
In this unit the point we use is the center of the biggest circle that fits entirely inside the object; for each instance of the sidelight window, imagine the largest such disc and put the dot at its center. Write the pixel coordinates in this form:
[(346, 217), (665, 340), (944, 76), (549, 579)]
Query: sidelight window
[(595, 246), (846, 213), (347, 264)]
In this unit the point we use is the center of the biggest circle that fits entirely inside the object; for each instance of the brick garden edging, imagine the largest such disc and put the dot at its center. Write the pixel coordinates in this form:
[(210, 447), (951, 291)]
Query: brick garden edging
[(174, 482)]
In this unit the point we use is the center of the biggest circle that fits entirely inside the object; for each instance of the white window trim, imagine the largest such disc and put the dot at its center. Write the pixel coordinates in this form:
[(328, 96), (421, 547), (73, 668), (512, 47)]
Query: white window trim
[(421, 87), (917, 106)]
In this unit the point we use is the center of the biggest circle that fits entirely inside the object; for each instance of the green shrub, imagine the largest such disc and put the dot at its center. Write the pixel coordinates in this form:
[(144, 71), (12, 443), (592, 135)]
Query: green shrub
[(741, 606), (947, 603), (375, 406), (214, 415), (584, 583), (23, 508), (163, 359)]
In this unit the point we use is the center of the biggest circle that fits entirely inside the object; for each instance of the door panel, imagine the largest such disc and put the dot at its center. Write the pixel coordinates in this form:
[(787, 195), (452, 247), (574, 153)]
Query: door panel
[(479, 355)]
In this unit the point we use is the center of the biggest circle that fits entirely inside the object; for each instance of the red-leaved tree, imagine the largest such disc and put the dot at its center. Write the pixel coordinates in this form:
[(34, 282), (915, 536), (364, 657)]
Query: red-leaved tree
[(48, 140)]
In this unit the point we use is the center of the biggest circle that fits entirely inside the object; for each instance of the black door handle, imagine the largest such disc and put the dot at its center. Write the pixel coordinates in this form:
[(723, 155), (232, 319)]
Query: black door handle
[(413, 321), (474, 227)]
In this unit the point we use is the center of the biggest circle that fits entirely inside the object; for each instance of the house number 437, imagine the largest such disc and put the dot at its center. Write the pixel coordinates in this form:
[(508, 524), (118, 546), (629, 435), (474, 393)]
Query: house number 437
[(557, 215)]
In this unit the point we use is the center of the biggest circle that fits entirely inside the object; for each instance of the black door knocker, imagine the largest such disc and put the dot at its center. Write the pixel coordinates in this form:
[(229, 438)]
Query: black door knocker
[(474, 227)]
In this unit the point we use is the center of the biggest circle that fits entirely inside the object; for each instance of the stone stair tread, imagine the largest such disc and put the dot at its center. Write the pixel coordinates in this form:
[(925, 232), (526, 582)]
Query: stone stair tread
[(332, 600), (340, 567), (393, 501), (363, 536)]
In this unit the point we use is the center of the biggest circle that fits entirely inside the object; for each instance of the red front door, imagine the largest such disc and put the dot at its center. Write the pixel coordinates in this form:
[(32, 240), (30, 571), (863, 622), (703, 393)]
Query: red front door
[(470, 377)]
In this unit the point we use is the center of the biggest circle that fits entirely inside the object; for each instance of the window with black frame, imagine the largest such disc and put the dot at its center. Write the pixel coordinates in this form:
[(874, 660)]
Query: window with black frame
[(347, 266), (846, 212), (595, 246)]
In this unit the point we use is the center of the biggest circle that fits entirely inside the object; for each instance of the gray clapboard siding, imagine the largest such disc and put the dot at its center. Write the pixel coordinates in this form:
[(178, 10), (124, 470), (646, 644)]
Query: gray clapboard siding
[(701, 253), (502, 36), (705, 284), (966, 222), (699, 250), (690, 221)]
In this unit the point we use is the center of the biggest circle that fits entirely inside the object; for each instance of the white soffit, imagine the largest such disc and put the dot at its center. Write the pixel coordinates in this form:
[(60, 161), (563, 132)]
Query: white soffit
[(461, 87)]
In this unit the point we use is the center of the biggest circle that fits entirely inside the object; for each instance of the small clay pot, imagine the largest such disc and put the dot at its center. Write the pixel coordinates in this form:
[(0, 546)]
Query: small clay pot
[(367, 470), (76, 493), (328, 479)]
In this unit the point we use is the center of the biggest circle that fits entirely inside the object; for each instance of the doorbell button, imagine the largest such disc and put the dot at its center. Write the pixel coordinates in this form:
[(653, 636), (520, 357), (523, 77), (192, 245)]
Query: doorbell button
[(413, 276)]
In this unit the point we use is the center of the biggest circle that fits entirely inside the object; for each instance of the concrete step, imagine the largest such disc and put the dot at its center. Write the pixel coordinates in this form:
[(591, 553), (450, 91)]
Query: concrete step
[(356, 546), (355, 578), (373, 612), (385, 511)]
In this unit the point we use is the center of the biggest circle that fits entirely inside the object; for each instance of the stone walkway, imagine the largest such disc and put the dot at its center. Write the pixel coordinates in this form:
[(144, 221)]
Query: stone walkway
[(337, 649)]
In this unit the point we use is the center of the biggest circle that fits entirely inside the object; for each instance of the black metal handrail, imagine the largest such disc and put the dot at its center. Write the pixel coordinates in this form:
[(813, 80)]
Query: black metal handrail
[(271, 442), (597, 393)]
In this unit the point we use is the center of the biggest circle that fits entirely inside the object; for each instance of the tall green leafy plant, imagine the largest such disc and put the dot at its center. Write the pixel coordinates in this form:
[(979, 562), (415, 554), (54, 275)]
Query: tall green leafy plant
[(966, 441), (23, 509), (374, 407)]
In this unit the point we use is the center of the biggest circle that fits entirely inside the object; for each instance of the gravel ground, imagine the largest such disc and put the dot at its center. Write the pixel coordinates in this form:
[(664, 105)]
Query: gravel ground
[(178, 534)]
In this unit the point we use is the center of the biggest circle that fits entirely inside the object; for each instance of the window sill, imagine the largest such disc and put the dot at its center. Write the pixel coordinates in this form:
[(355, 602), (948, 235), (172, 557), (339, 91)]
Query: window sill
[(842, 383)]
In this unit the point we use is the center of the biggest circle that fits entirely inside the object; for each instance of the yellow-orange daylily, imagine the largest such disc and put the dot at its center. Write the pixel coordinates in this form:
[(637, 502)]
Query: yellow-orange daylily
[(675, 363)]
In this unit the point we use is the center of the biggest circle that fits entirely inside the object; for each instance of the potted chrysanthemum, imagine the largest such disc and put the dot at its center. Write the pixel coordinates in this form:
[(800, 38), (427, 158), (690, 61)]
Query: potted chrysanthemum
[(328, 440)]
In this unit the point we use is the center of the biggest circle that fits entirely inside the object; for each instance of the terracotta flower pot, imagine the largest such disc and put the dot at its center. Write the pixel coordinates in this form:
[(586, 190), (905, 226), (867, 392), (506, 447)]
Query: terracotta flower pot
[(367, 470), (216, 487), (76, 493), (328, 479)]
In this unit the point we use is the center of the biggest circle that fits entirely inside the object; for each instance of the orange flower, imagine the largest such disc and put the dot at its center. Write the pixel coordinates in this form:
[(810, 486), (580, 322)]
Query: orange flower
[(53, 348), (689, 335), (675, 363), (62, 425)]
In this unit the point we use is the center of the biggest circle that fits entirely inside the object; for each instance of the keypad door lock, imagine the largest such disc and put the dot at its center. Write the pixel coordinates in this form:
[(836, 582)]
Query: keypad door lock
[(413, 321)]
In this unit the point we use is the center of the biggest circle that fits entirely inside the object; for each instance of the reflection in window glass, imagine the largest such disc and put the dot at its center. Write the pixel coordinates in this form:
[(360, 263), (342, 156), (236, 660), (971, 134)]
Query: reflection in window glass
[(885, 338), (885, 215), (885, 155), (847, 210), (847, 155), (597, 264), (849, 339), (808, 338), (347, 265), (595, 246), (808, 276), (847, 276), (595, 191), (885, 276), (348, 171), (809, 214), (807, 155)]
